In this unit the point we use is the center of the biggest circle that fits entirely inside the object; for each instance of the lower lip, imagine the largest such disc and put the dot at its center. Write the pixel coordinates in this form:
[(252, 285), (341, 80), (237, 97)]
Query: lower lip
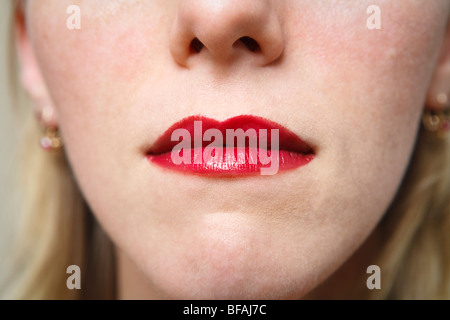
[(226, 165)]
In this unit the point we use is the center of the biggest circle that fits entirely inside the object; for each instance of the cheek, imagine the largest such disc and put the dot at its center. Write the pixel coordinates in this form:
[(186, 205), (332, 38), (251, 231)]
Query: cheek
[(366, 91), (368, 85), (107, 52), (93, 73), (343, 54)]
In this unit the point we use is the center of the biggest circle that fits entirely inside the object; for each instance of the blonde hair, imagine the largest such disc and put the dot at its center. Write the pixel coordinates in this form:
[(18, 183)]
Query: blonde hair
[(58, 230)]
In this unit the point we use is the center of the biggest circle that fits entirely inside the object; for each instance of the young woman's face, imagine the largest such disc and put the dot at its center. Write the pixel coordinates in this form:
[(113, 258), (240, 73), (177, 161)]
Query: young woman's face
[(352, 93)]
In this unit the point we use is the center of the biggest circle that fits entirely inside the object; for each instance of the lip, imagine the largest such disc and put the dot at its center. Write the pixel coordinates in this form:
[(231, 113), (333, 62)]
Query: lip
[(293, 151)]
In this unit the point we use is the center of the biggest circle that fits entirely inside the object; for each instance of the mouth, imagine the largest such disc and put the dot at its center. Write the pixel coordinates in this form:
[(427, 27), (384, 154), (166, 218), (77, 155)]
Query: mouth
[(243, 145)]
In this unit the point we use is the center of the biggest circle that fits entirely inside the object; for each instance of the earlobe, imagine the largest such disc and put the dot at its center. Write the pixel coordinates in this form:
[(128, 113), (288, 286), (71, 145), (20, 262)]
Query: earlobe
[(438, 97), (30, 74), (436, 117)]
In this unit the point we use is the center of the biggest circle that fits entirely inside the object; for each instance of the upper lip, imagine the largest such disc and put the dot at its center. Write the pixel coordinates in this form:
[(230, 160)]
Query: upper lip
[(288, 140)]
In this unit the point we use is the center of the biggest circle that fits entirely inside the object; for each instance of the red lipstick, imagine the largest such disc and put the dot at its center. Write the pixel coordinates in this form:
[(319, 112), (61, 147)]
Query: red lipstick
[(238, 146)]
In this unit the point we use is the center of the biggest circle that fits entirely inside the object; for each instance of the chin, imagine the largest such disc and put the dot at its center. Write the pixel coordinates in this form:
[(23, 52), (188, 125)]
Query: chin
[(232, 281), (231, 260)]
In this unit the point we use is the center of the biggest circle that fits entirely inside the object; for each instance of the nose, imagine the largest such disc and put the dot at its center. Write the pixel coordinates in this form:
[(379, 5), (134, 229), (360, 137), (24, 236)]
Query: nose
[(225, 31)]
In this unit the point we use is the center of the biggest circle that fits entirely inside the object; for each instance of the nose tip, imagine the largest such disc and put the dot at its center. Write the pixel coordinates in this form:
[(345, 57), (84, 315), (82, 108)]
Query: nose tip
[(225, 31)]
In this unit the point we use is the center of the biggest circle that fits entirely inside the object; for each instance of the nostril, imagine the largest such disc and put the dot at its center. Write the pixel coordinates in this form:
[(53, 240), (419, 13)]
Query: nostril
[(196, 45), (250, 43)]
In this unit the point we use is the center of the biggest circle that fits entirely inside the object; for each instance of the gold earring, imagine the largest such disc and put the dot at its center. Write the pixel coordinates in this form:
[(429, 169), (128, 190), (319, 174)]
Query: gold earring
[(438, 122), (52, 140)]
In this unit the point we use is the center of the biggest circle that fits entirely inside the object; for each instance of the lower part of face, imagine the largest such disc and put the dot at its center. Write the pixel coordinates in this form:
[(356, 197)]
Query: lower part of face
[(354, 92)]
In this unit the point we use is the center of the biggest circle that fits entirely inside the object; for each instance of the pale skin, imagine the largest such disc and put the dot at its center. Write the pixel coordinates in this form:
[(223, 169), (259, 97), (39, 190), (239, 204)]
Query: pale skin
[(356, 94)]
